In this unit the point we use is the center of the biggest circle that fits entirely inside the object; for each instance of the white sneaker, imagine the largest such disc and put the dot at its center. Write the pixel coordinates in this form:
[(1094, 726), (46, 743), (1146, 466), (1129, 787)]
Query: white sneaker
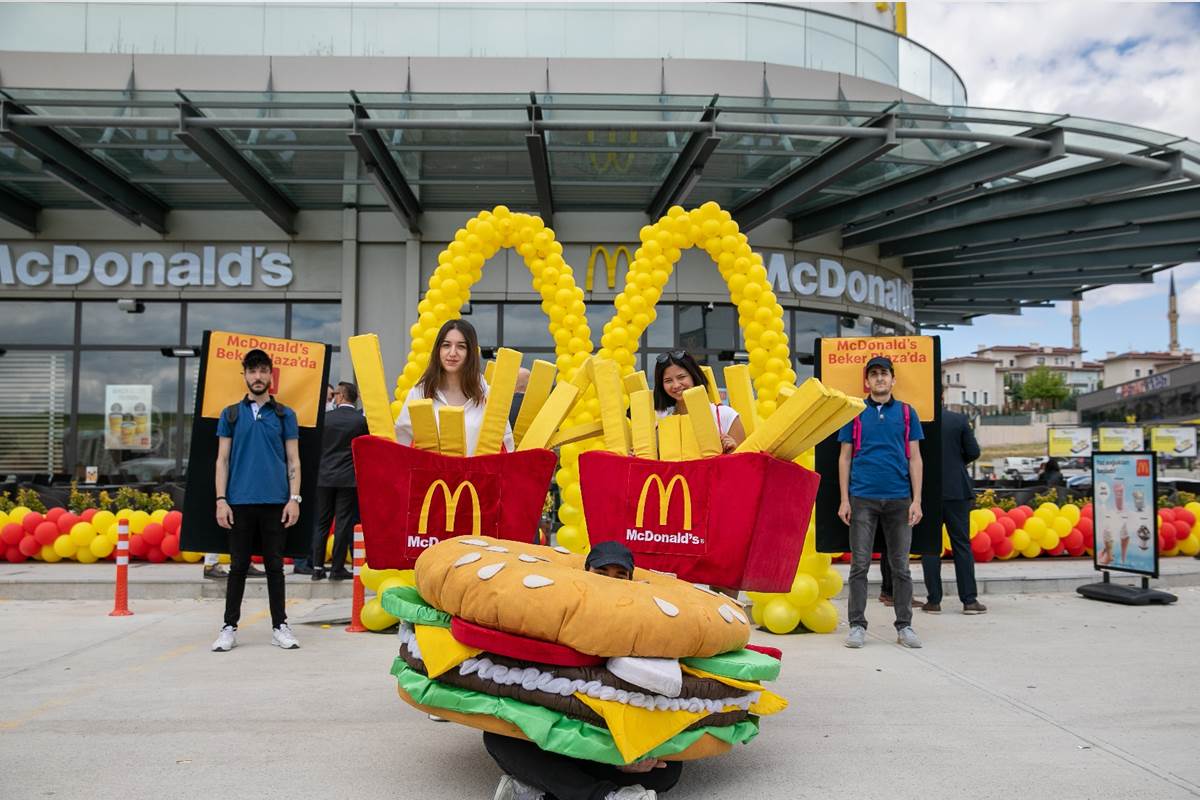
[(283, 637), (635, 792), (226, 640), (436, 718), (510, 788)]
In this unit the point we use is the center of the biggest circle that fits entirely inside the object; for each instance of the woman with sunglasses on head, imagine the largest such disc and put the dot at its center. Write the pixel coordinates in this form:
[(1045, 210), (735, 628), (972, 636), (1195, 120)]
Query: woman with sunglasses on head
[(454, 377), (676, 372)]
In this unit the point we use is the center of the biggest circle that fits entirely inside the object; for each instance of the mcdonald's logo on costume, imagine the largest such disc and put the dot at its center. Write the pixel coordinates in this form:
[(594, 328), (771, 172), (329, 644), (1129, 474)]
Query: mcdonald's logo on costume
[(611, 261), (664, 500), (666, 507), (450, 504)]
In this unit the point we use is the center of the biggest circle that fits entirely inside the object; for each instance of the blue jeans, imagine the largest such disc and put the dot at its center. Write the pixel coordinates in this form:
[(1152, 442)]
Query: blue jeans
[(957, 514), (892, 518)]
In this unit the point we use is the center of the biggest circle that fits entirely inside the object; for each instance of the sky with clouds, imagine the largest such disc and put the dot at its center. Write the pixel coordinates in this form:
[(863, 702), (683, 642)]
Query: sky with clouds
[(1133, 63)]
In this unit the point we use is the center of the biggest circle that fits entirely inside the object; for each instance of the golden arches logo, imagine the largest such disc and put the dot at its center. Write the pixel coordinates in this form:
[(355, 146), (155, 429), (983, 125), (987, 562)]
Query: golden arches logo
[(611, 260), (611, 159), (665, 492), (451, 499)]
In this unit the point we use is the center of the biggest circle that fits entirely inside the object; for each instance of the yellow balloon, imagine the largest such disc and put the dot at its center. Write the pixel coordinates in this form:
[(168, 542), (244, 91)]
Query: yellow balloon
[(780, 616), (371, 578), (1049, 539), (1033, 551), (84, 555), (572, 538), (191, 557), (138, 521), (82, 534), (103, 520), (831, 584), (1062, 525), (1035, 527), (821, 618), (1020, 539), (1193, 507), (158, 516), (756, 612), (64, 547), (49, 555), (1191, 545), (815, 563), (1071, 512), (1049, 507), (101, 547), (17, 514), (805, 591), (390, 582), (374, 618)]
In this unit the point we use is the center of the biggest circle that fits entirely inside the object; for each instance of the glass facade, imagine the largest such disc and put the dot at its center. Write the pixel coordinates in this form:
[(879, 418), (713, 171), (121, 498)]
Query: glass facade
[(59, 358)]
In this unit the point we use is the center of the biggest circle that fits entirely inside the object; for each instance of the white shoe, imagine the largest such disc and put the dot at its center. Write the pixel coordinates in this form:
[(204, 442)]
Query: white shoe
[(510, 788), (283, 637), (226, 640), (436, 718), (635, 792)]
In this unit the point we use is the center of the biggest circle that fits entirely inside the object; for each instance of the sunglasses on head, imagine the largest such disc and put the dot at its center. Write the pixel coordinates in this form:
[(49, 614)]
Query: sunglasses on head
[(677, 355)]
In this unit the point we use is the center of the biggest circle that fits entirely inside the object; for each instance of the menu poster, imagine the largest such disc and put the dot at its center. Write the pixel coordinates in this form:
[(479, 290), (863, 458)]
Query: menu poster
[(1072, 442), (1121, 440), (1123, 512), (127, 417), (1173, 441)]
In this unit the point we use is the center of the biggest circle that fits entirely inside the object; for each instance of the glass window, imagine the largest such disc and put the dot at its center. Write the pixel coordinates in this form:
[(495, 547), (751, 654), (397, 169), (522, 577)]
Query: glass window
[(985, 400), (35, 414), (105, 323), (878, 55), (830, 44), (706, 326), (109, 438), (483, 317), (41, 322), (262, 319), (661, 332), (525, 326), (942, 83), (318, 322), (856, 326), (808, 327), (915, 68)]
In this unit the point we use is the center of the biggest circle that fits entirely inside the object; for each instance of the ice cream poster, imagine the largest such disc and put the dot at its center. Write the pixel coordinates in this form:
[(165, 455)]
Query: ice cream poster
[(1123, 512), (127, 416)]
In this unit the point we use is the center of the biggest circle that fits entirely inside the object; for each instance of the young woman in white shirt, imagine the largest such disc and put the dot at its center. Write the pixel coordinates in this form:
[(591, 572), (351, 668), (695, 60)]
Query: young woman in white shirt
[(454, 377), (676, 372)]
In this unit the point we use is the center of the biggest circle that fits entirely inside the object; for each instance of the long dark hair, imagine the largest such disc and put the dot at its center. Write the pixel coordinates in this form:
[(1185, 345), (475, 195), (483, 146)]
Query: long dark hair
[(678, 358), (471, 375)]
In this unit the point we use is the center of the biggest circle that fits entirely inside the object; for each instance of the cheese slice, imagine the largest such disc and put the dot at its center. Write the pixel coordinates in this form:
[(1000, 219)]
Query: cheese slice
[(768, 703), (637, 731), (440, 651), (745, 686)]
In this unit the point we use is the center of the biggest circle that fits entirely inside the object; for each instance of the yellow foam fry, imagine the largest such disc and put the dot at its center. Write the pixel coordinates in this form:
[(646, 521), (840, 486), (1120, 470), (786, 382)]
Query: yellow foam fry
[(775, 429), (689, 448), (741, 395), (606, 374), (670, 448), (637, 731), (842, 409), (700, 419), (745, 686), (550, 416), (452, 430), (501, 387), (372, 384), (439, 650), (583, 376), (541, 381), (489, 369), (424, 425), (635, 382), (576, 433), (810, 423), (786, 390), (768, 703), (641, 412), (714, 394)]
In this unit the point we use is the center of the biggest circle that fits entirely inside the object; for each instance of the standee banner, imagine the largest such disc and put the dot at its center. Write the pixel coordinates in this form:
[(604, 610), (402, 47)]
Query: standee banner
[(1121, 440), (1124, 518), (1069, 442), (1173, 441), (301, 371), (839, 364), (128, 425)]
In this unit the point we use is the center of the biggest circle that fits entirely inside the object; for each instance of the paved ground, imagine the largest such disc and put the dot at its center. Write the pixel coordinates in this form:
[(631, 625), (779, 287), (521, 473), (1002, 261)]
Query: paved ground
[(1049, 696)]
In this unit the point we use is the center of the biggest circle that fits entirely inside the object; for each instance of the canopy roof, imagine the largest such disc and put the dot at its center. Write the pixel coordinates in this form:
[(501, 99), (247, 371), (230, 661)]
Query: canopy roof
[(993, 210)]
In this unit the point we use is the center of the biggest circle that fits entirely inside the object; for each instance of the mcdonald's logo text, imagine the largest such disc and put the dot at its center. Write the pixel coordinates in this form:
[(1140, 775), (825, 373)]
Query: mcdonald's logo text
[(451, 501)]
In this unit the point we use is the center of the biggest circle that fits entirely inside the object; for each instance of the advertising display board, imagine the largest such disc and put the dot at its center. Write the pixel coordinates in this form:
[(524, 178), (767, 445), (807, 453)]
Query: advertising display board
[(1069, 442), (917, 360), (127, 416), (1173, 441), (1123, 512), (1122, 440)]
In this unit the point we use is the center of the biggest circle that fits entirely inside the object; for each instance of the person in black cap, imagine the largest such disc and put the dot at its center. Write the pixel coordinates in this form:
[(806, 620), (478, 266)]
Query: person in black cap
[(611, 559), (879, 475)]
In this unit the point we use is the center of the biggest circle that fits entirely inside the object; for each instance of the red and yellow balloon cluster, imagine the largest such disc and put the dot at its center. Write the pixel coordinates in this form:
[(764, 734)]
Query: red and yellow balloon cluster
[(89, 536), (373, 617), (807, 604)]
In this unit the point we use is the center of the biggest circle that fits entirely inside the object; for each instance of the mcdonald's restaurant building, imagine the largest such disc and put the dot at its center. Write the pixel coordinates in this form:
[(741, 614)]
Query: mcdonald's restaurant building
[(167, 169)]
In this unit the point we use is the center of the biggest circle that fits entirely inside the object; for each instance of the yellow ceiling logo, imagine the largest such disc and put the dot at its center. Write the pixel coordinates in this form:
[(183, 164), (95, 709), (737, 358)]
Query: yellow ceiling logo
[(612, 160), (610, 265), (664, 500), (451, 500)]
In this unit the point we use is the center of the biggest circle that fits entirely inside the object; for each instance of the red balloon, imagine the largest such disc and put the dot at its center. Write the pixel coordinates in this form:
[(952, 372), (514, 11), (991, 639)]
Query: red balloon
[(995, 532), (14, 555), (32, 520), (1026, 510), (1003, 548), (1086, 511), (30, 546), (54, 513), (88, 513), (1008, 523), (46, 533), (12, 534), (1085, 526), (1073, 541), (153, 533), (256, 559), (1089, 540), (1166, 515), (983, 558), (1058, 549), (1185, 516), (1168, 534), (1078, 551), (66, 521), (170, 546), (1163, 544), (172, 522), (138, 547), (155, 555), (981, 544)]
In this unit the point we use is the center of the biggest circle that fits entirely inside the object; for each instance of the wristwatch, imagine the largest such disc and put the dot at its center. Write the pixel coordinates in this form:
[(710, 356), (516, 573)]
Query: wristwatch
[(296, 497)]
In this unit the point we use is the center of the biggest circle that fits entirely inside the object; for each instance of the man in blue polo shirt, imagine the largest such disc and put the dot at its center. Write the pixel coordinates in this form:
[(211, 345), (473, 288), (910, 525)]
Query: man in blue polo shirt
[(258, 494), (879, 473)]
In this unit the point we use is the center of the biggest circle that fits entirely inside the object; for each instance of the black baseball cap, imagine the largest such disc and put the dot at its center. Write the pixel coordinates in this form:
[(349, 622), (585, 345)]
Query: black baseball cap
[(879, 361), (606, 554)]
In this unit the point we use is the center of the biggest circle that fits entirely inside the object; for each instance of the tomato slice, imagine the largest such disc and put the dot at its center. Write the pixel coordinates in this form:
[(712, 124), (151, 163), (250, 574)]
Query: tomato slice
[(523, 648)]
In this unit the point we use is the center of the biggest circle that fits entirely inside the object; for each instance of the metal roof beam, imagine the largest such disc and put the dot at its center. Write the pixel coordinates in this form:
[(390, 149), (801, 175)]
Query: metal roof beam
[(1072, 188), (999, 293), (85, 174), (385, 173), (934, 186), (216, 151), (18, 211), (539, 163), (1148, 235), (1138, 256), (924, 315), (817, 173), (688, 166), (1073, 279), (1148, 208)]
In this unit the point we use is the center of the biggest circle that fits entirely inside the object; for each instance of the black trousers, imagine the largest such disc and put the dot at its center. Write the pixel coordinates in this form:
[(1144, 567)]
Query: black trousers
[(262, 524), (340, 503), (565, 778), (957, 514)]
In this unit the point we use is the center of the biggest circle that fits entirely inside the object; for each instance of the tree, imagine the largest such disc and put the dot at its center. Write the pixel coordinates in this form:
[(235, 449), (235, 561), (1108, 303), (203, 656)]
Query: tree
[(1046, 388)]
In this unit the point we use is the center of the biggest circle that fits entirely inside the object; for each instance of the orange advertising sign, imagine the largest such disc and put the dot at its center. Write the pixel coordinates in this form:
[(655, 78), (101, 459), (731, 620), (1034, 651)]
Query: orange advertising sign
[(842, 362), (296, 380)]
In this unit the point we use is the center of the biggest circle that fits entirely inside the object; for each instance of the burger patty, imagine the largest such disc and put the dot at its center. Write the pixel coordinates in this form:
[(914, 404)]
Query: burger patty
[(572, 706)]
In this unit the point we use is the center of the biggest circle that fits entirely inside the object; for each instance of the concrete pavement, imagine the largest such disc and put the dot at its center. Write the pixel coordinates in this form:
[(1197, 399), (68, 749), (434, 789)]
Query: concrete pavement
[(1048, 696)]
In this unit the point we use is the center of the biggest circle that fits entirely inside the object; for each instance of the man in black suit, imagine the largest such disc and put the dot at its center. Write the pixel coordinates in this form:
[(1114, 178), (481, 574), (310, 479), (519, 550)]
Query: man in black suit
[(959, 448), (337, 490)]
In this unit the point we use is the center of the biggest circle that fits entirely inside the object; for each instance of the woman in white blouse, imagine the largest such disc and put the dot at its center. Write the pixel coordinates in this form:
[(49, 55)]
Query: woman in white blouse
[(675, 373), (454, 377)]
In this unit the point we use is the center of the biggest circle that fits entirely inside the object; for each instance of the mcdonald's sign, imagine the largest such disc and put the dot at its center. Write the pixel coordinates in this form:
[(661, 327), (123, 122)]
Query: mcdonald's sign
[(610, 265), (664, 500), (450, 503), (442, 505), (679, 525)]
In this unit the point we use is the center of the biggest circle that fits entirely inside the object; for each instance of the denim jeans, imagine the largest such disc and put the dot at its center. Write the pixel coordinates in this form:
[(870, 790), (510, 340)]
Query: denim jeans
[(957, 514), (892, 518)]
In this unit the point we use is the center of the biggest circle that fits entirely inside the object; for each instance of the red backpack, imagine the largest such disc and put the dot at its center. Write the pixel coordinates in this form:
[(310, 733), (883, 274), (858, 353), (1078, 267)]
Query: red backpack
[(857, 431)]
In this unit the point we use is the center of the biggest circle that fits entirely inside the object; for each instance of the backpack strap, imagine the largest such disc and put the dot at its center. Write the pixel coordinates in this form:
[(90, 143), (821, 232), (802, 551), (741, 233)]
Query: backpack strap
[(856, 433), (856, 430), (231, 415), (907, 430)]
